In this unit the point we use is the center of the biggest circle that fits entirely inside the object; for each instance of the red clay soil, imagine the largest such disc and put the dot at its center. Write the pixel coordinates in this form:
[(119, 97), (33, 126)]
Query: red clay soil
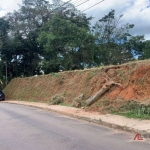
[(134, 78)]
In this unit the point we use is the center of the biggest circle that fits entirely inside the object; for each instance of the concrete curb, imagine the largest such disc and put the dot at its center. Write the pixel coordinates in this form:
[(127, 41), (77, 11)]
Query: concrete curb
[(143, 133)]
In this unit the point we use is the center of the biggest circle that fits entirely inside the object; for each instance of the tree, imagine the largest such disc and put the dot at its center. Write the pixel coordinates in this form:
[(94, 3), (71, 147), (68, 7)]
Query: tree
[(146, 50), (112, 40), (66, 45), (24, 53), (57, 37), (4, 27)]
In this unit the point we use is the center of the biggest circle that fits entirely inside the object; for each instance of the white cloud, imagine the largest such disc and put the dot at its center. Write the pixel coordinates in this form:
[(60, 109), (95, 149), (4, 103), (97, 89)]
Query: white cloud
[(8, 6)]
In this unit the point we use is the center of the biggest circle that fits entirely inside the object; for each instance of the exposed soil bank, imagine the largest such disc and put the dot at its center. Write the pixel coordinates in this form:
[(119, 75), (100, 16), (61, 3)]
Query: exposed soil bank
[(134, 78)]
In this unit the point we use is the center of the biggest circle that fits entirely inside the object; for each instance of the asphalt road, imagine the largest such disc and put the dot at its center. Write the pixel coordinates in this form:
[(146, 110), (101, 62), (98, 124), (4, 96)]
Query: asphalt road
[(28, 128)]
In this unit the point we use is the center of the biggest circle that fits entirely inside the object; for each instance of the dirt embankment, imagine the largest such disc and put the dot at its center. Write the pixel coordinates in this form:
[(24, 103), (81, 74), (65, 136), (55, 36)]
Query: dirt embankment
[(134, 78)]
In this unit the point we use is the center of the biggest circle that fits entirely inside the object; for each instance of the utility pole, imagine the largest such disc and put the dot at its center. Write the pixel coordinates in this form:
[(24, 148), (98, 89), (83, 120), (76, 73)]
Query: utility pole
[(6, 73)]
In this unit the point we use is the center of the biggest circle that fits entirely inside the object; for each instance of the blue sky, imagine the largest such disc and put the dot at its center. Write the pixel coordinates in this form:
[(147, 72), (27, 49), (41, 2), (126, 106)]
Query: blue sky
[(134, 11)]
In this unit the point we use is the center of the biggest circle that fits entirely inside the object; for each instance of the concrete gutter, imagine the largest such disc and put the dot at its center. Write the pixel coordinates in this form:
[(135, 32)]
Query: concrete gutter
[(135, 126)]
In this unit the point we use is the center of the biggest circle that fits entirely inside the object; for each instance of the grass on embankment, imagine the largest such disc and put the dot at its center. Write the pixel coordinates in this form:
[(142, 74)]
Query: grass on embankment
[(133, 109)]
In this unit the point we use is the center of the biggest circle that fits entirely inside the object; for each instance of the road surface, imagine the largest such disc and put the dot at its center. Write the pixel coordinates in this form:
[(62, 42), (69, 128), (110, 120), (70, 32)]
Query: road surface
[(28, 128)]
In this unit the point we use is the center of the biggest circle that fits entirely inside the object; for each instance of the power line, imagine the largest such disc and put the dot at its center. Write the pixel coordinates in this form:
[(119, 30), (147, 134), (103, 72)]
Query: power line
[(82, 3), (93, 5), (76, 2), (66, 3)]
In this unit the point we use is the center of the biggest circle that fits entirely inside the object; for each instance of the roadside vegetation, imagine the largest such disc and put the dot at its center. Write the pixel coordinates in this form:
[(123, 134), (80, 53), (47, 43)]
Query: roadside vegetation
[(42, 37), (133, 109)]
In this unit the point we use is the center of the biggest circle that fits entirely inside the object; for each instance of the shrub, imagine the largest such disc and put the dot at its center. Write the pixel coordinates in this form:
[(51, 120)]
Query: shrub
[(56, 99)]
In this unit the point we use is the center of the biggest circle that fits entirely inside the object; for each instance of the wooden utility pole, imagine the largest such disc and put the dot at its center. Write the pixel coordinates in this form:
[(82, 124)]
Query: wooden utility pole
[(6, 73)]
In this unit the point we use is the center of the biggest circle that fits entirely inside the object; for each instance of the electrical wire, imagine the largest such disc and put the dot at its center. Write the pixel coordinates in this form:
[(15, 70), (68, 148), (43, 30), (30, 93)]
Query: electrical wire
[(82, 3), (66, 3), (76, 2), (93, 5)]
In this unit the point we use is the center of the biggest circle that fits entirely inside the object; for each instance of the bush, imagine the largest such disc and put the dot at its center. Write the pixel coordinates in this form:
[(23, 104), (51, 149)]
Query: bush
[(56, 99)]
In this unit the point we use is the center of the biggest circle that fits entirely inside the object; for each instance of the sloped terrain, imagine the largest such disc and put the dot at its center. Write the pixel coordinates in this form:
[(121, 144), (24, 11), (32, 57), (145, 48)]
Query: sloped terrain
[(79, 85)]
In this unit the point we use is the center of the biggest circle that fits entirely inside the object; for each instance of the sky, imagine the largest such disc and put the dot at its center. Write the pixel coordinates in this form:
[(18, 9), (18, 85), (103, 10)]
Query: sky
[(134, 11)]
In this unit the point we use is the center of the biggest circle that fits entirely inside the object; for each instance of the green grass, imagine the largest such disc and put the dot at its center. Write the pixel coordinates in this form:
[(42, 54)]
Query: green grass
[(55, 74), (90, 76), (133, 109), (131, 114)]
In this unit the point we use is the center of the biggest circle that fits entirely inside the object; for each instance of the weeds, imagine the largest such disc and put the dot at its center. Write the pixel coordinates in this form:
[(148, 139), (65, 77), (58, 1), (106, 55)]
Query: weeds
[(55, 74), (100, 120), (60, 81), (78, 101), (105, 102), (90, 76), (56, 99), (120, 72), (122, 75), (64, 104), (133, 109), (32, 100), (143, 80)]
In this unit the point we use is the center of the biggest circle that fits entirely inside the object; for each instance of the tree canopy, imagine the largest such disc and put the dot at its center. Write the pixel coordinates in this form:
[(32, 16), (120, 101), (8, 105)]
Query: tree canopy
[(40, 36)]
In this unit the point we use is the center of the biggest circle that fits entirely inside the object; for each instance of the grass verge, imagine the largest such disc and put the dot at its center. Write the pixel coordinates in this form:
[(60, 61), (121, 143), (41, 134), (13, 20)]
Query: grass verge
[(133, 109)]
